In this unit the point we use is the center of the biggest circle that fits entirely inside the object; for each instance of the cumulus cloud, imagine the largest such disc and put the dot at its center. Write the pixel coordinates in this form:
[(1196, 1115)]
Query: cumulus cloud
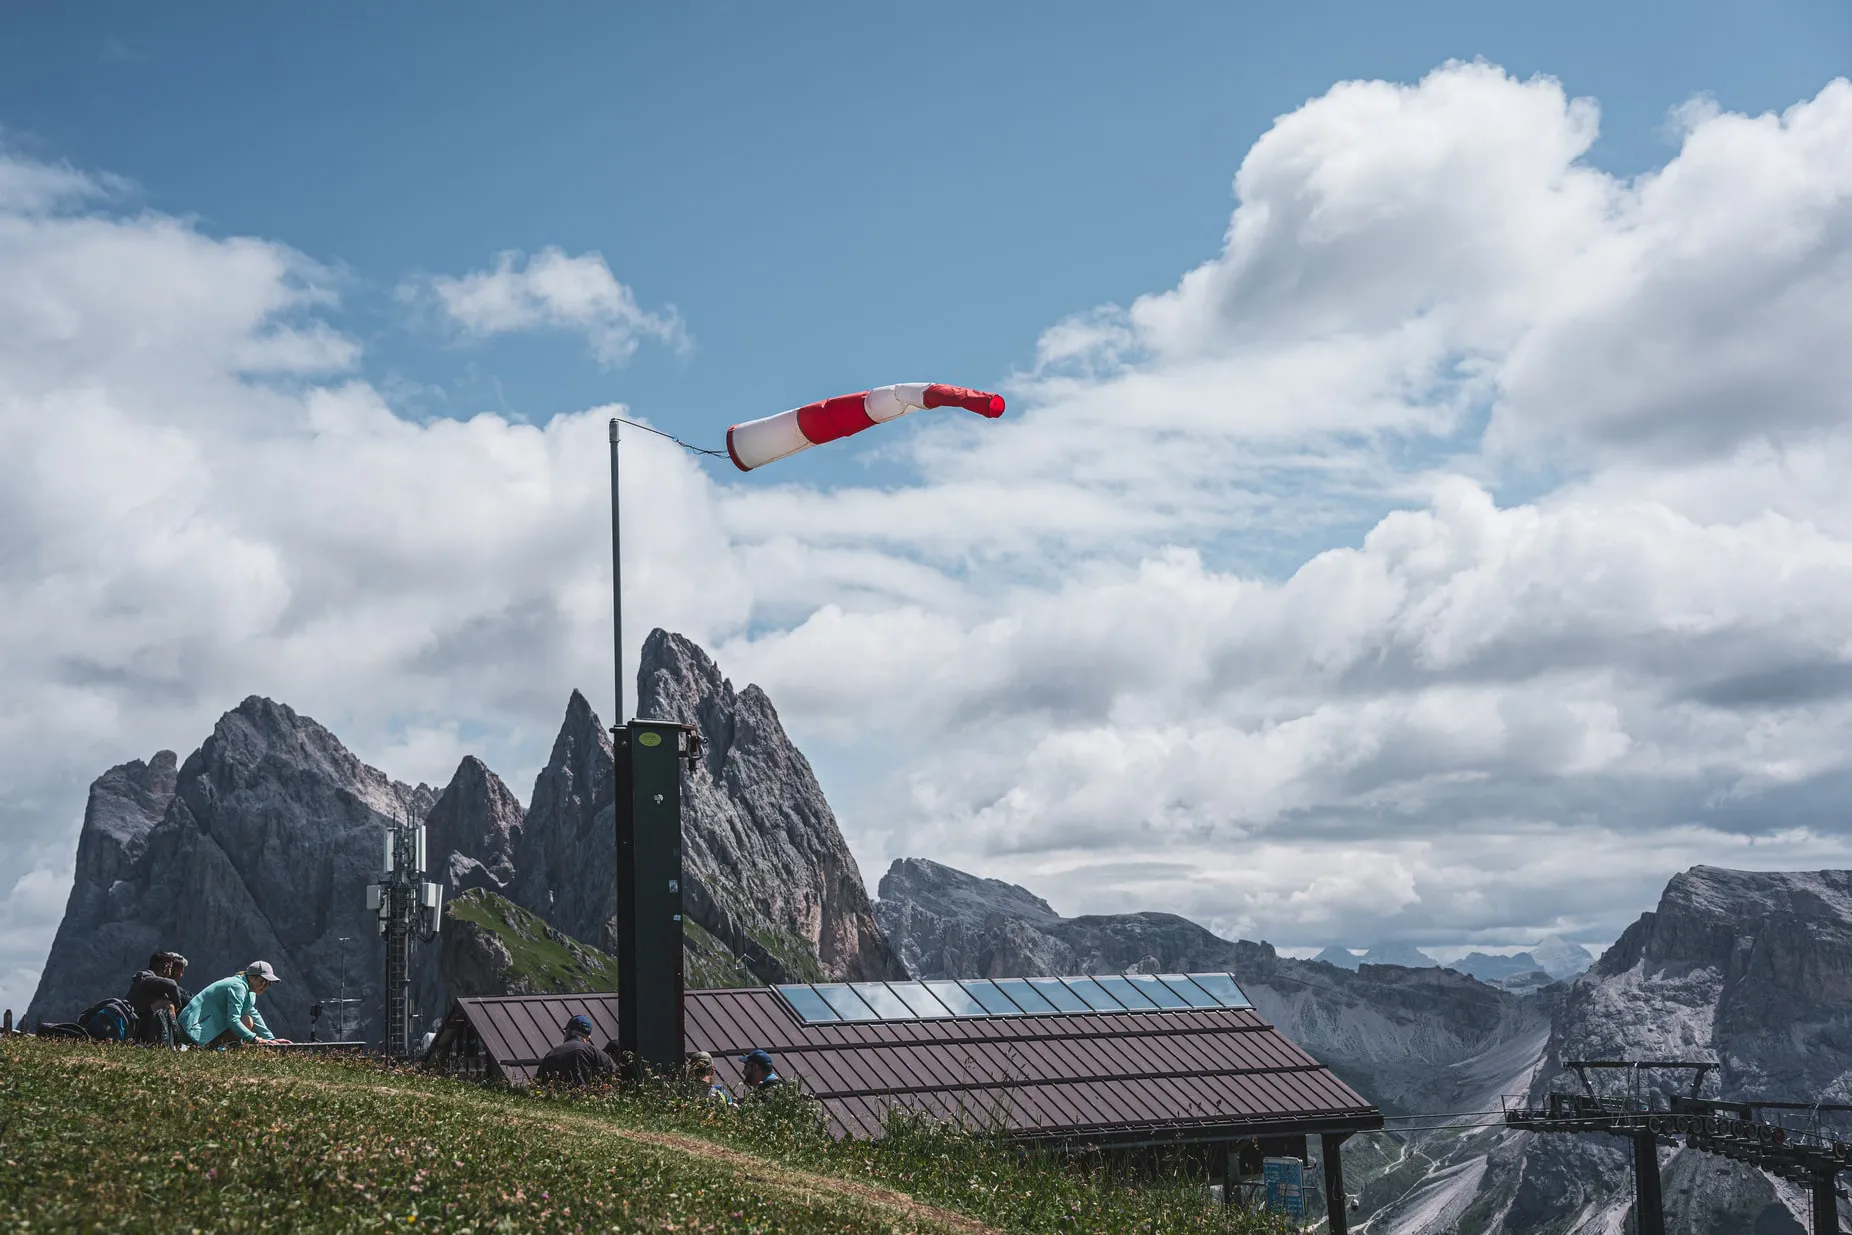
[(552, 291), (1454, 555)]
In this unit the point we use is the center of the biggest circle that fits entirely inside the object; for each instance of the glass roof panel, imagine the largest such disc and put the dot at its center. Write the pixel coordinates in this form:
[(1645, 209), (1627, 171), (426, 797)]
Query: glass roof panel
[(956, 998), (834, 1003), (1222, 986), (917, 997), (995, 1001), (1026, 996), (808, 1005), (1188, 991), (1091, 995), (1147, 985), (1122, 990), (887, 1005), (1055, 991), (847, 1004)]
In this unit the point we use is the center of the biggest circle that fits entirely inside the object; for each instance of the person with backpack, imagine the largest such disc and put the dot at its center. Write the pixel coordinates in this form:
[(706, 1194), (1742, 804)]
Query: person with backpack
[(156, 997), (225, 1013)]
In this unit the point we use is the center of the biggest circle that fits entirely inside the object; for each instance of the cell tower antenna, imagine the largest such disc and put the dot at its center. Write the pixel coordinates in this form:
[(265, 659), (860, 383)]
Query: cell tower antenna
[(407, 905)]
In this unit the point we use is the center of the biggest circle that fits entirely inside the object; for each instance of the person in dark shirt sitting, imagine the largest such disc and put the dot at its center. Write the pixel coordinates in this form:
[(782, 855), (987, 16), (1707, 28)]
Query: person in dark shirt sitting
[(575, 1061), (759, 1073), (157, 998)]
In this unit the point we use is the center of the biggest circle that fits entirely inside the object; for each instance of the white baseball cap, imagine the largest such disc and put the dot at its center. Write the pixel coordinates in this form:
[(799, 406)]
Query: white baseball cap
[(261, 969)]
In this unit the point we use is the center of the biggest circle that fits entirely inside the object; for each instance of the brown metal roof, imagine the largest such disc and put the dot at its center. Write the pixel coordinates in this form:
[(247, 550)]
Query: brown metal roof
[(1208, 1074)]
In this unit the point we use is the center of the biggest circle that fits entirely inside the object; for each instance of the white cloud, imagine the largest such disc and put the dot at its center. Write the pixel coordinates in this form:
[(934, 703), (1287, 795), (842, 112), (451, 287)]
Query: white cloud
[(552, 291), (1127, 646)]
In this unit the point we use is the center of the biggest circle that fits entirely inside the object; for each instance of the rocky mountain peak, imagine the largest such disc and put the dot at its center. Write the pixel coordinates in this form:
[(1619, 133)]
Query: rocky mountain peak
[(769, 873), (565, 859), (945, 890), (256, 846), (1560, 958), (477, 822)]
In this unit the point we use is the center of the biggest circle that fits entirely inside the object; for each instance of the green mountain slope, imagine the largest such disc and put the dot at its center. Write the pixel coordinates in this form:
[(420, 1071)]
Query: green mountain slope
[(493, 946)]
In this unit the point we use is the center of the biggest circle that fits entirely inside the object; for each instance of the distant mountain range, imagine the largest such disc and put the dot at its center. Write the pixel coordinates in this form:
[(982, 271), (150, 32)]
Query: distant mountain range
[(1553, 960)]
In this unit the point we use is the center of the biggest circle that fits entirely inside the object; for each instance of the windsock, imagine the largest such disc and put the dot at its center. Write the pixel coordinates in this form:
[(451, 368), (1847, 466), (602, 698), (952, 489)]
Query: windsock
[(758, 442)]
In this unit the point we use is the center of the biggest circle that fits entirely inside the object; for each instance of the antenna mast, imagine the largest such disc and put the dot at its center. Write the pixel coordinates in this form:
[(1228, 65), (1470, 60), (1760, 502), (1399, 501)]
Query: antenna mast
[(406, 904)]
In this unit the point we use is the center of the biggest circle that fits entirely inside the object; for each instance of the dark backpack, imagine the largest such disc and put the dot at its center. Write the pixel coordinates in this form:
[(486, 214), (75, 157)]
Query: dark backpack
[(62, 1029), (113, 1020)]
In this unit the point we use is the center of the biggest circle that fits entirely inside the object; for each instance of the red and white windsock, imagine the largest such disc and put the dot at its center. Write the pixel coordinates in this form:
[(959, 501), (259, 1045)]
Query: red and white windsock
[(758, 442)]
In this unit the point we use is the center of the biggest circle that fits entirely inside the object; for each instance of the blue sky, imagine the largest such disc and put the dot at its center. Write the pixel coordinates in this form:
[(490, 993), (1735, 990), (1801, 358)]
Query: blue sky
[(1442, 539), (832, 196)]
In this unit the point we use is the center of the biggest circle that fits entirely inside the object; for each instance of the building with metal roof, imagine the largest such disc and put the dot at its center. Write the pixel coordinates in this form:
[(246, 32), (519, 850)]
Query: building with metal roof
[(1118, 1061)]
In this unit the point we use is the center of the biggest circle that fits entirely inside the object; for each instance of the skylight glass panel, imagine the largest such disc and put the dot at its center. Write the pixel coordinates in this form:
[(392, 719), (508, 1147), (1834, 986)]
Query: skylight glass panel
[(1091, 995), (1055, 991), (995, 1001), (1223, 987), (1188, 991), (1125, 993), (808, 1005), (847, 1004), (917, 997), (1154, 990), (1026, 997), (886, 1003), (956, 998), (836, 1003)]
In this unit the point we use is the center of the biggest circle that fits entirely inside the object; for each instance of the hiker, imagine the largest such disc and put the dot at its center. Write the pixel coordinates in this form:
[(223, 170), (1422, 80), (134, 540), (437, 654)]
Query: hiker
[(575, 1061), (156, 996), (225, 1013), (699, 1071), (760, 1073)]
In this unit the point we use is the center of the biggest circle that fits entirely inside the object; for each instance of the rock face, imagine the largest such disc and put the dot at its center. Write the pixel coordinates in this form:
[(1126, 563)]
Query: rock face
[(256, 847), (478, 823), (768, 871), (101, 930), (566, 859), (471, 835)]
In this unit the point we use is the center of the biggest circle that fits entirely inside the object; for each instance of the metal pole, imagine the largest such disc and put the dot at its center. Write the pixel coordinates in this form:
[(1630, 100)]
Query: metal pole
[(1825, 1204), (617, 585), (1331, 1156), (1648, 1203)]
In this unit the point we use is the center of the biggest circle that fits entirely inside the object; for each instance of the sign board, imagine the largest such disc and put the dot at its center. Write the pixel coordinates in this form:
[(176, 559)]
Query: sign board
[(1284, 1179)]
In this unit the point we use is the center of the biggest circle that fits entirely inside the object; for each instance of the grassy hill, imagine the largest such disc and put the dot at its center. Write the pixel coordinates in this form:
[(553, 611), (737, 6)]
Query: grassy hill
[(119, 1138), (543, 960)]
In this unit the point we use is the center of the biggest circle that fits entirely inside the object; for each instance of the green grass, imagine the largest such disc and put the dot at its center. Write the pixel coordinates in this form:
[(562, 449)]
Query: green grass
[(96, 1137)]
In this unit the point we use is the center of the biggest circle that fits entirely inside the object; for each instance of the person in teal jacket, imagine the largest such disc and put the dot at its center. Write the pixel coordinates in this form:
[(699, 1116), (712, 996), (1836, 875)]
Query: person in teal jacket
[(225, 1013)]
